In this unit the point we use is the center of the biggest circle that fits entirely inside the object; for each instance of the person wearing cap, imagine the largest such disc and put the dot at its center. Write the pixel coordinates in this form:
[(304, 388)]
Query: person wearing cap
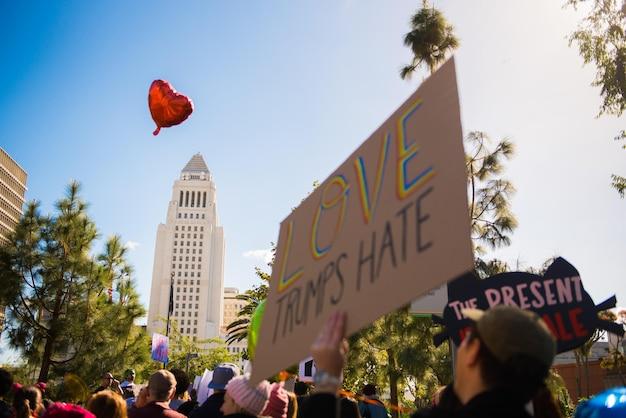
[(161, 389), (500, 366), (129, 381), (242, 400), (210, 408), (109, 383)]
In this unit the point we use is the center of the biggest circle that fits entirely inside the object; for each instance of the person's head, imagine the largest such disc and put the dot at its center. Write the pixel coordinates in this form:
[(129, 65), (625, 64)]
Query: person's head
[(27, 402), (505, 348), (222, 375), (241, 397), (182, 382), (277, 403), (162, 386), (107, 379), (6, 381), (369, 390), (129, 375), (301, 388), (66, 410), (107, 404)]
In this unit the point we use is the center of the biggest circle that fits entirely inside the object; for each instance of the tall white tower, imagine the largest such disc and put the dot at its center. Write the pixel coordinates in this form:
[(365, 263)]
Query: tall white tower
[(190, 249)]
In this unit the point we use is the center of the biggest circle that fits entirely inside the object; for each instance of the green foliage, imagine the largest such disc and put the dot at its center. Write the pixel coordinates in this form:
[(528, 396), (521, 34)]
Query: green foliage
[(66, 310), (210, 352), (492, 221), (238, 330), (431, 39), (601, 40), (397, 351), (556, 386)]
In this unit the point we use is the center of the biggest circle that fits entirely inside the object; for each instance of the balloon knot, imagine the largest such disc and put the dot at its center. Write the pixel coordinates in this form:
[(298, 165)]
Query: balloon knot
[(156, 131)]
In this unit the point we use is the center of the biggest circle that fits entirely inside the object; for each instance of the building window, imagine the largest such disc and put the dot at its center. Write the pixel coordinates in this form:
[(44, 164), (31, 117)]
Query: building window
[(200, 259), (193, 195), (185, 216), (183, 306), (204, 199), (175, 243), (195, 330), (180, 258), (184, 297), (174, 251), (176, 297), (201, 236), (196, 314), (203, 216), (195, 236), (182, 313), (194, 243), (186, 274), (173, 266), (200, 243), (188, 331), (187, 250), (185, 282), (197, 216), (196, 306), (177, 306), (175, 235), (180, 199), (195, 228), (179, 274), (197, 299), (177, 289), (187, 243), (199, 267), (200, 250), (179, 215), (180, 266), (176, 227), (187, 198), (195, 322), (193, 258)]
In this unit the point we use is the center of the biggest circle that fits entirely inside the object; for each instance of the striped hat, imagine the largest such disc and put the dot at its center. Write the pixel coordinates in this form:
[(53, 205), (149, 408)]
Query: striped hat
[(252, 399)]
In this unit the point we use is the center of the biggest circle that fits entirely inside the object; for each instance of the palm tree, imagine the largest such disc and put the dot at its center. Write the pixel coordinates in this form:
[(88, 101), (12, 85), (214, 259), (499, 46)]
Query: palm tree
[(238, 329), (431, 38)]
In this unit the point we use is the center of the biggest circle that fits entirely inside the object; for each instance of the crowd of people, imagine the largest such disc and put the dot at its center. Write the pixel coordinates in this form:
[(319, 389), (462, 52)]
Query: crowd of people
[(500, 371)]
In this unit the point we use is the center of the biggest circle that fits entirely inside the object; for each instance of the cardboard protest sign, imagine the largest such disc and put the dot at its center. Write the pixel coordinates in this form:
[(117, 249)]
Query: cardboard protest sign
[(159, 347), (558, 297), (387, 225)]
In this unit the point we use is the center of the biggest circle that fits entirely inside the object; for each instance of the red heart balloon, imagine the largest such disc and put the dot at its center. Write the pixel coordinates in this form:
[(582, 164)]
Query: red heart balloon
[(167, 106)]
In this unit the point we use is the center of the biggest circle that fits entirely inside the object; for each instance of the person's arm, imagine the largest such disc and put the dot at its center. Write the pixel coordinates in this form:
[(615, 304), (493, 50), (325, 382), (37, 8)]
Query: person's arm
[(329, 352)]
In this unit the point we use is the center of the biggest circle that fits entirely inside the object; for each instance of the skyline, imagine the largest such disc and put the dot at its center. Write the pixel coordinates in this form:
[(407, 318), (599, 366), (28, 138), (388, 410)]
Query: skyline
[(282, 96)]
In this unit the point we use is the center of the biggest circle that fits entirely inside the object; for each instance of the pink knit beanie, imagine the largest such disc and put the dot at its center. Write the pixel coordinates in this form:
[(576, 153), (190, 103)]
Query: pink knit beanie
[(279, 400), (252, 399)]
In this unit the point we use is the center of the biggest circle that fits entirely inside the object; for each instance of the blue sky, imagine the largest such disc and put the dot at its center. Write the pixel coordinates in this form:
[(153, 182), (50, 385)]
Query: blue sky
[(283, 92)]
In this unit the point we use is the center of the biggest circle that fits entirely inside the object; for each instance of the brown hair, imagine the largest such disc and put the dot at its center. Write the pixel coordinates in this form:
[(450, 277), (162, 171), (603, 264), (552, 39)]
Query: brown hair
[(107, 404), (27, 402)]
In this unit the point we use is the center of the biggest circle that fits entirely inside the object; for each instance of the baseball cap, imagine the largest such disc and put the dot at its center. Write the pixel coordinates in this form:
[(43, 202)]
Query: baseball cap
[(508, 331), (222, 375)]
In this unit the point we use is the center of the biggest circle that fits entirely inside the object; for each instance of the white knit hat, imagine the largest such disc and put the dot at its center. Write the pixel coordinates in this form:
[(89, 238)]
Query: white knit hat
[(252, 399)]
